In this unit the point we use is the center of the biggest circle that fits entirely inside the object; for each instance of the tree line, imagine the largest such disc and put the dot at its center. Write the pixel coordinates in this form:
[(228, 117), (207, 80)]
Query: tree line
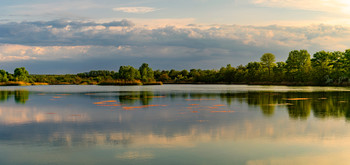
[(324, 68), (20, 74)]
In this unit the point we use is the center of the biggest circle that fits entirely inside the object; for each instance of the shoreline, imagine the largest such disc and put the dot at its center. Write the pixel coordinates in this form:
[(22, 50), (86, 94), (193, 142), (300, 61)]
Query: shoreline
[(138, 83)]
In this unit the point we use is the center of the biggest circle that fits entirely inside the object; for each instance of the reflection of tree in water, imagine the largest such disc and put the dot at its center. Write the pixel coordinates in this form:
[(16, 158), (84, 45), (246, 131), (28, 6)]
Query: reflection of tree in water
[(145, 97), (20, 96), (265, 100), (299, 109), (267, 105), (298, 104), (4, 95), (268, 110), (335, 105)]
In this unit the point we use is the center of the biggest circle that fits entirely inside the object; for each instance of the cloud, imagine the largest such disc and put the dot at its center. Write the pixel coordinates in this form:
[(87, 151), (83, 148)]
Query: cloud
[(315, 158), (123, 42), (136, 10), (115, 33)]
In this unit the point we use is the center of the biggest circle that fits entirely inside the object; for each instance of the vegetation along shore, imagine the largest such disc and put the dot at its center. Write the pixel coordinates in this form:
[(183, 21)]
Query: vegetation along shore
[(324, 68)]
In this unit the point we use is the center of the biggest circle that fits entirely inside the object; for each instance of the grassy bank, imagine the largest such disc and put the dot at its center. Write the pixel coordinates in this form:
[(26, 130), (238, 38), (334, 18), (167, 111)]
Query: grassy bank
[(120, 82), (153, 83), (20, 83)]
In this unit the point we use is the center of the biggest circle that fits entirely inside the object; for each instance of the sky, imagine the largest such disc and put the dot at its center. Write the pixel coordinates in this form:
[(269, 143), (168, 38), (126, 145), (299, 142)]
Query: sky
[(74, 36)]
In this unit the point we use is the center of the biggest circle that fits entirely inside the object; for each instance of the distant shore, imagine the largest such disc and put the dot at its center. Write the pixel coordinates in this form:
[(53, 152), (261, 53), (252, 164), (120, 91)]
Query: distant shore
[(20, 83), (139, 83), (105, 83)]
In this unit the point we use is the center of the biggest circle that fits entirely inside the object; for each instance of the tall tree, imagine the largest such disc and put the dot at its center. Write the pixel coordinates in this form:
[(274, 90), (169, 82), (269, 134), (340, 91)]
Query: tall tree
[(268, 60), (147, 74)]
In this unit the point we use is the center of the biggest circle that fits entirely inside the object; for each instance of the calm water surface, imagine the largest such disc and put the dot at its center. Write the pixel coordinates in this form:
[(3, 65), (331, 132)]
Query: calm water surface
[(174, 124)]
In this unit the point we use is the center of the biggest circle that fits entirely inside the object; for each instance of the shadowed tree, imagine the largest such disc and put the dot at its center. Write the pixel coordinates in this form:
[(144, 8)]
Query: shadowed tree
[(346, 63), (254, 71), (226, 74), (322, 66), (279, 71), (338, 74)]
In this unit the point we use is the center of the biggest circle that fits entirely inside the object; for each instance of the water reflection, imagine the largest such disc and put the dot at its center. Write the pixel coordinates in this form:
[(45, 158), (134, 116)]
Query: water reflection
[(299, 104), (153, 126), (144, 97), (20, 96)]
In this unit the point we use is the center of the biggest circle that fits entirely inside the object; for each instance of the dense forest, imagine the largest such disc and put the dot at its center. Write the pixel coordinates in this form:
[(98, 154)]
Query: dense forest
[(324, 68)]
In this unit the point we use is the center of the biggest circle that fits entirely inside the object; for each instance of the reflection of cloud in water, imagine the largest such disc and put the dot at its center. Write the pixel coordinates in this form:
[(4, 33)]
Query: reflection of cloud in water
[(135, 155), (278, 134), (23, 115), (132, 140), (341, 157)]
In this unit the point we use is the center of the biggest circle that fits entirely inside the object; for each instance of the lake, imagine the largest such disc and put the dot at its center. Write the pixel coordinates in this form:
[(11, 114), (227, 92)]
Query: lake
[(174, 124)]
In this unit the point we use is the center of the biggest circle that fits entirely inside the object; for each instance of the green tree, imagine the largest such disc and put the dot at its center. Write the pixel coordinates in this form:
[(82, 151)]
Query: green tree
[(268, 61), (129, 73), (322, 66), (3, 76), (254, 71), (164, 77), (279, 71), (157, 74), (226, 74), (184, 73), (240, 74), (147, 74), (346, 63), (339, 71), (298, 66), (173, 74), (21, 74)]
